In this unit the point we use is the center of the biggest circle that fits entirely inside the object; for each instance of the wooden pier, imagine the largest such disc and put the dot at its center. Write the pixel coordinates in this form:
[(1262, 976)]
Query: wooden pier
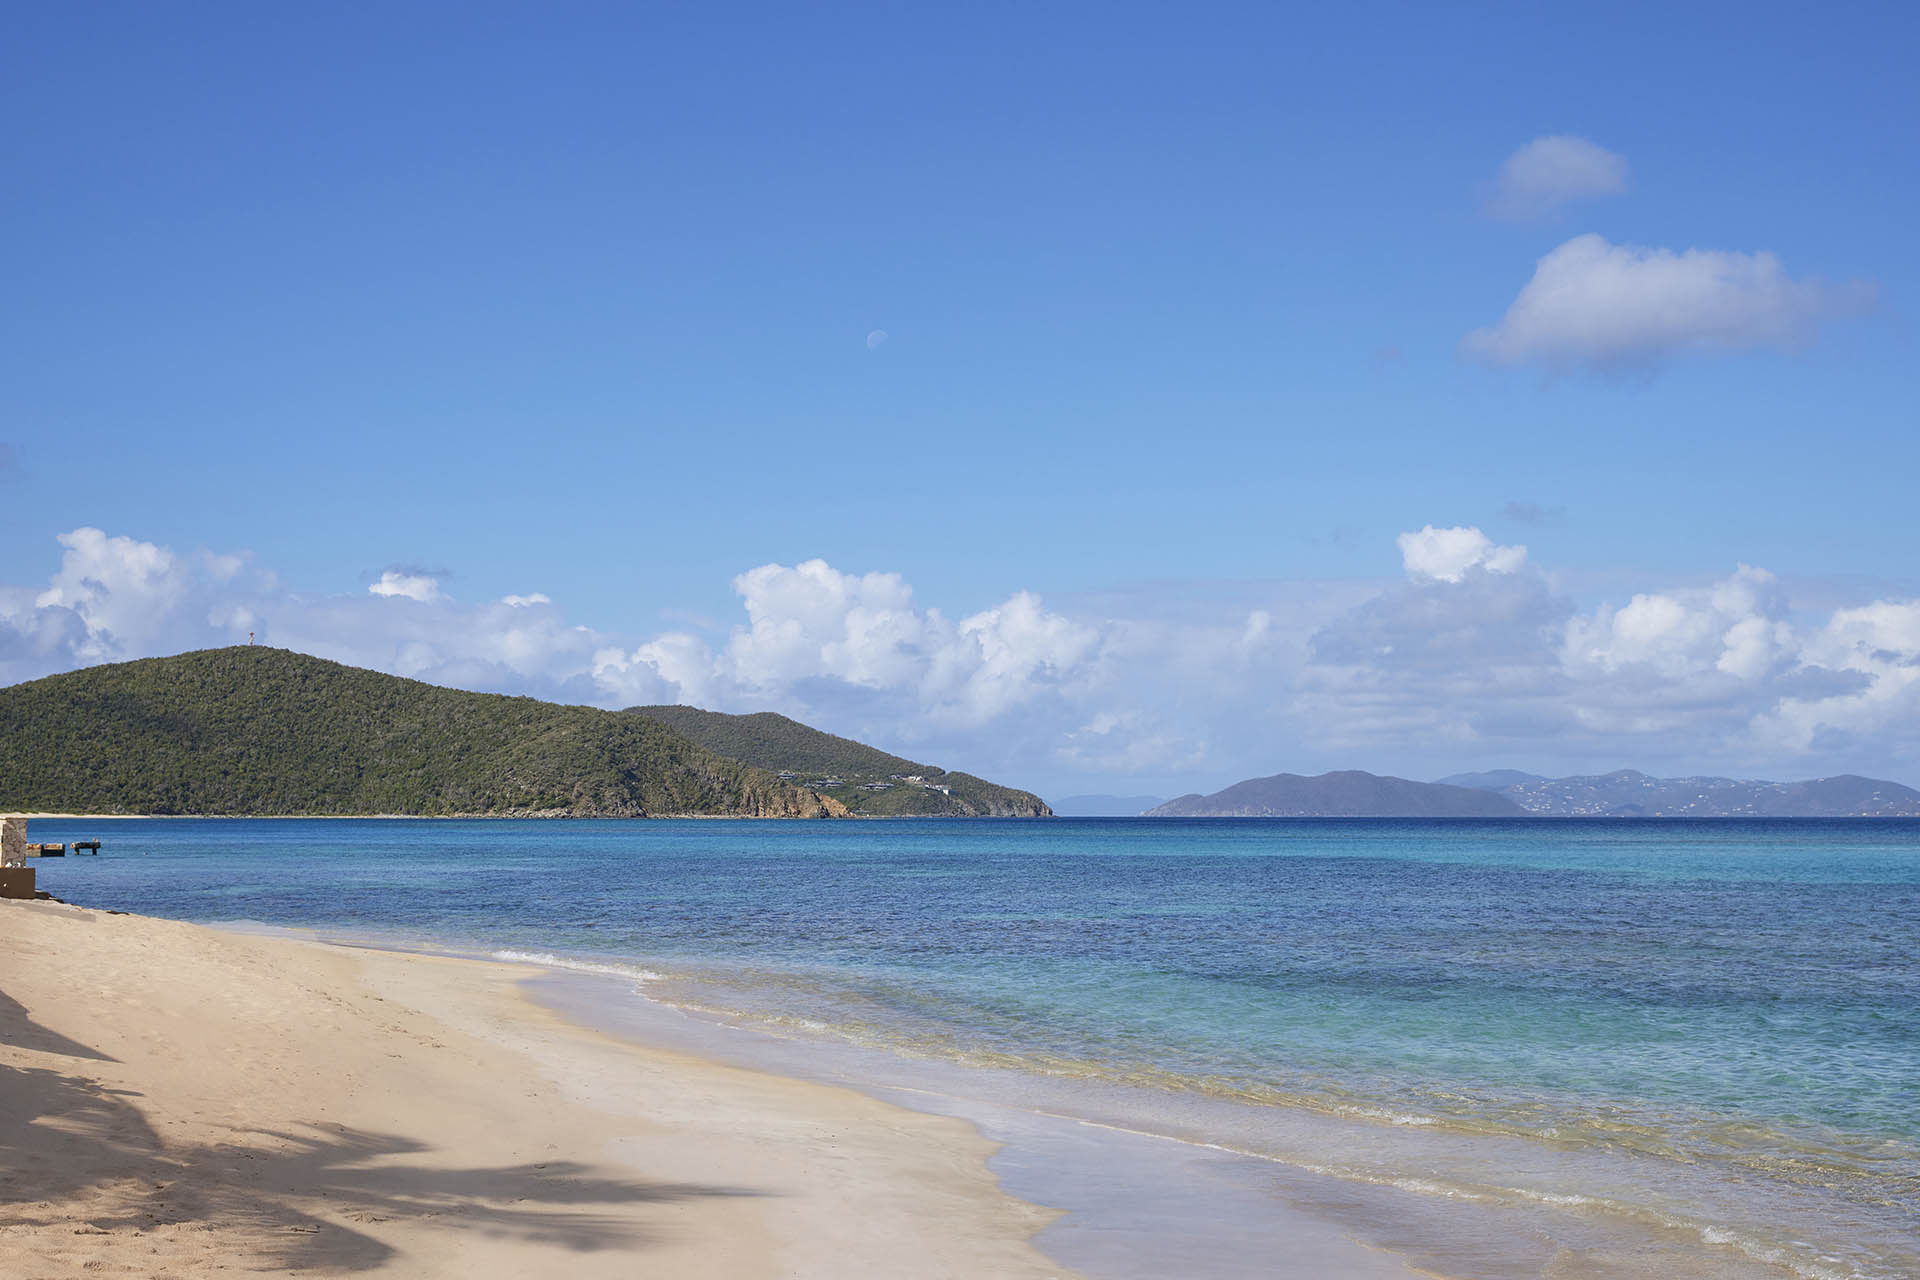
[(62, 850)]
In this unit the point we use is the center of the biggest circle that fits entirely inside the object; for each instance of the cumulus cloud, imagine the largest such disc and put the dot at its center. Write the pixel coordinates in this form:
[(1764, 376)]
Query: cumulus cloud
[(1737, 628), (114, 597), (1600, 305), (407, 586), (1472, 657), (1491, 661), (1551, 172), (1447, 555), (811, 623), (115, 588), (1878, 645)]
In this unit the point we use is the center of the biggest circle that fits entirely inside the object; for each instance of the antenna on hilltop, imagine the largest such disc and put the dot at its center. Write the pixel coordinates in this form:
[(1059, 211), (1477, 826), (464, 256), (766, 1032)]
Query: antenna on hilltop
[(249, 637)]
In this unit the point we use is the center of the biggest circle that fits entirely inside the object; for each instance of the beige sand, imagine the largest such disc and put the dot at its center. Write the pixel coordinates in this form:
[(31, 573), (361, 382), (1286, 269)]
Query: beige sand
[(177, 1101)]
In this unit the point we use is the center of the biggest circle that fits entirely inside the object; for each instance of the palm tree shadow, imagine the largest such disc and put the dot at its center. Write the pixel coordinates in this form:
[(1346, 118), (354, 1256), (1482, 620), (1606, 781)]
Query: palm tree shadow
[(18, 1028), (67, 1141), (563, 1203)]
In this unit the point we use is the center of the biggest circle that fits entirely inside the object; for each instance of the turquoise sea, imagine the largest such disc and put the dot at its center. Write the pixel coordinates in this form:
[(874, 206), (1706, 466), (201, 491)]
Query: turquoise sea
[(1497, 1048)]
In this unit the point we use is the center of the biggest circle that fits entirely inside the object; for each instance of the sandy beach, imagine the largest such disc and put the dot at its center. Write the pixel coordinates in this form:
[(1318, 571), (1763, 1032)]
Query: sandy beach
[(176, 1100)]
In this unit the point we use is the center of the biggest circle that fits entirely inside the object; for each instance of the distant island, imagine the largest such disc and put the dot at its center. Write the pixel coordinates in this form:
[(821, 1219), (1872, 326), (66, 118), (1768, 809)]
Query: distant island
[(1510, 793), (1346, 794), (1627, 793), (253, 730)]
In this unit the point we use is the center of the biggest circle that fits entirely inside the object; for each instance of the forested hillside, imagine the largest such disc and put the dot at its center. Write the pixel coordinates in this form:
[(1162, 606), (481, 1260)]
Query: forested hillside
[(869, 781), (255, 730)]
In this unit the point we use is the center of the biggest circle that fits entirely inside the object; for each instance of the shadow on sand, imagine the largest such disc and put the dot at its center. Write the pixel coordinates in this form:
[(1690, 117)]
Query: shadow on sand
[(69, 1145)]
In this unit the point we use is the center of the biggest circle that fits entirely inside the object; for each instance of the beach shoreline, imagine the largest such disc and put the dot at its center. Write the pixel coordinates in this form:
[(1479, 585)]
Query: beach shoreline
[(176, 1099), (879, 965)]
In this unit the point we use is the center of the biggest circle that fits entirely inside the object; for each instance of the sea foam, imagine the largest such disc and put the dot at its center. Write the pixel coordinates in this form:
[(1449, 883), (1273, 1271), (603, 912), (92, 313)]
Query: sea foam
[(548, 960)]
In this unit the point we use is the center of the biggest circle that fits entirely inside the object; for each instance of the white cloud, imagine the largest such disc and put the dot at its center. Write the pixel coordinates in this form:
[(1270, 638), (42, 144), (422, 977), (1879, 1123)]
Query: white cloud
[(527, 601), (813, 620), (1447, 554), (674, 667), (810, 623), (115, 587), (409, 586), (1601, 305), (1736, 628), (1003, 656), (1472, 658), (114, 598), (1553, 171), (1879, 644), (1499, 663)]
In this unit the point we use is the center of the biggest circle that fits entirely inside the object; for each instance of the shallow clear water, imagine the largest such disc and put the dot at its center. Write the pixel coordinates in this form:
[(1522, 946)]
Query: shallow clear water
[(1701, 1029)]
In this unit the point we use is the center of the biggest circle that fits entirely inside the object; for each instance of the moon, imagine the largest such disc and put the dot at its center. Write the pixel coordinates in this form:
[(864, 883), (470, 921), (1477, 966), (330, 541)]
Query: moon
[(875, 338)]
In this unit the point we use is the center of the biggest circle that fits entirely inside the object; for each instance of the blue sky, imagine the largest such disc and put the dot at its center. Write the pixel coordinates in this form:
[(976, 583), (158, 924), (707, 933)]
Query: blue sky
[(578, 302)]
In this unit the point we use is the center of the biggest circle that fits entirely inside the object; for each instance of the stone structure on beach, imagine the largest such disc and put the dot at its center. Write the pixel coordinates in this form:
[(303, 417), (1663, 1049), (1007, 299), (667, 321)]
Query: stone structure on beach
[(16, 878)]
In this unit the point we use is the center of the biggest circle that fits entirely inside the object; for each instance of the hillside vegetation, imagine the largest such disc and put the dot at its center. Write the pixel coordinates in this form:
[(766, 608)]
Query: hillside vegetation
[(255, 730), (849, 771)]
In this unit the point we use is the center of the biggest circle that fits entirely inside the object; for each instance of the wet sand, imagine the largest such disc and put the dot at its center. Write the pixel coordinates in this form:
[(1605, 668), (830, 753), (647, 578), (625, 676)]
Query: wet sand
[(176, 1100)]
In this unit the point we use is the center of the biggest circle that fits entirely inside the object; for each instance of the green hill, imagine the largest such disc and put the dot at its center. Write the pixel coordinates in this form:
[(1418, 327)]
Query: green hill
[(254, 730), (868, 781)]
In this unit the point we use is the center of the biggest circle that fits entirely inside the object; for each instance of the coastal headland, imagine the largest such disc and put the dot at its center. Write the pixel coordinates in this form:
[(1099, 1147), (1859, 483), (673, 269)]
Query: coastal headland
[(260, 732), (176, 1100)]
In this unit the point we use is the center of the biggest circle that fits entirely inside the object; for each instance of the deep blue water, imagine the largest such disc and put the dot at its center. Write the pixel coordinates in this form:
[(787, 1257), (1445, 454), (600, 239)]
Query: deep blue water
[(1733, 997)]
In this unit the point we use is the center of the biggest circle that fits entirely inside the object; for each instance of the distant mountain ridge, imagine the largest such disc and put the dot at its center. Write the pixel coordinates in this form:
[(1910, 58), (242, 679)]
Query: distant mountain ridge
[(1629, 793), (1345, 794)]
